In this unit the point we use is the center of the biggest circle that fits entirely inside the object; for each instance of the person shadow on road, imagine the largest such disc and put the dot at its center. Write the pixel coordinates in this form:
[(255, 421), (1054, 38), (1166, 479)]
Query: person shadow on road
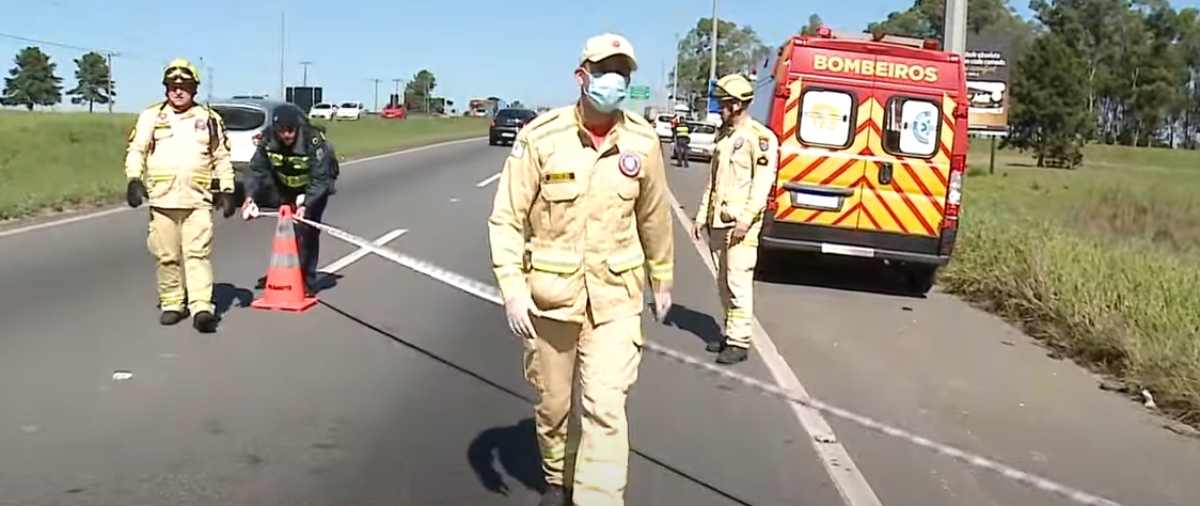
[(515, 448)]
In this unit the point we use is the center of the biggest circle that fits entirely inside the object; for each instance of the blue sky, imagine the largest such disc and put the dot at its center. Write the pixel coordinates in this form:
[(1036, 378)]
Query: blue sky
[(518, 49)]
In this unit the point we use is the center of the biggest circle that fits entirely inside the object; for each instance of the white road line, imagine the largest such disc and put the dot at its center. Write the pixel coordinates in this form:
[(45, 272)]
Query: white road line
[(491, 179), (357, 255), (846, 475), (89, 215)]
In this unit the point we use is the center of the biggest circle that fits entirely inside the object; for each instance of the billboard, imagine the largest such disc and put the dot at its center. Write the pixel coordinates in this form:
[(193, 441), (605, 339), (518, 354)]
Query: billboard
[(305, 97), (987, 64)]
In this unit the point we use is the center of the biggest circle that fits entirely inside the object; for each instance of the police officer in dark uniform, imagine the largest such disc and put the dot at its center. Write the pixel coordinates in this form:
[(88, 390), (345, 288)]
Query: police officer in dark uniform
[(293, 166)]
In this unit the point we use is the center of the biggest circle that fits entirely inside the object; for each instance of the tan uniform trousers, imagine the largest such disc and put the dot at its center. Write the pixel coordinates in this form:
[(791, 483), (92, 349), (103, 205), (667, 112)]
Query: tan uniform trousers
[(181, 240), (608, 357), (734, 261)]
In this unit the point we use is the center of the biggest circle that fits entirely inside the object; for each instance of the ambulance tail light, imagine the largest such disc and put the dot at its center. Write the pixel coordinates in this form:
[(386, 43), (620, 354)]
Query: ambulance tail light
[(958, 165), (931, 44), (257, 139)]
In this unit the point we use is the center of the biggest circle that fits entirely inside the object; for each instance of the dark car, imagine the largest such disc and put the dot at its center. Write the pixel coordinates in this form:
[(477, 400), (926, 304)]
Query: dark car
[(507, 123)]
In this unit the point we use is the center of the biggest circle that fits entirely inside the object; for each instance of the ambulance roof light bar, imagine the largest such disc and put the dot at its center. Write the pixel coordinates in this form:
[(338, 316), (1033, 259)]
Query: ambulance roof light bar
[(825, 32)]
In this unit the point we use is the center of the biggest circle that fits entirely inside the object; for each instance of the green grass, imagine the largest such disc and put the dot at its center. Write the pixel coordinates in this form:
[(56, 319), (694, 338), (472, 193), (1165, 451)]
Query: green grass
[(1102, 263), (52, 162)]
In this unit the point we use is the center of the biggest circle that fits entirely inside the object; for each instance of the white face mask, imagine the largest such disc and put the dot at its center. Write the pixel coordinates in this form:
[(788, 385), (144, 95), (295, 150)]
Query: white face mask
[(606, 91)]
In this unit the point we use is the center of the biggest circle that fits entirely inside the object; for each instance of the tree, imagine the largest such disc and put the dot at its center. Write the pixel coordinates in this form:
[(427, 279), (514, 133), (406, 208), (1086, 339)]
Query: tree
[(738, 50), (516, 104), (94, 81), (419, 91), (1049, 115), (814, 22), (32, 82)]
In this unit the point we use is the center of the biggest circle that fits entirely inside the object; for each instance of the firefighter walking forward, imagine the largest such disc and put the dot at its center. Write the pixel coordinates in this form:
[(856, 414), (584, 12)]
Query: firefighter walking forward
[(731, 210), (294, 166), (589, 182), (176, 149)]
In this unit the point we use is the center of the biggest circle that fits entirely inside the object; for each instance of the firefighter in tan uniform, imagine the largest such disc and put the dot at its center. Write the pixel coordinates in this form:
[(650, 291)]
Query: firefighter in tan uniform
[(176, 150), (580, 219), (731, 210)]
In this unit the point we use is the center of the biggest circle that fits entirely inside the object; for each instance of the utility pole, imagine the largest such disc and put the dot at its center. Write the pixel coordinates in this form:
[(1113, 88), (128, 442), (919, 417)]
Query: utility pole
[(208, 77), (304, 80), (402, 99), (675, 77), (110, 55), (954, 38), (282, 53), (426, 96), (712, 68), (376, 81)]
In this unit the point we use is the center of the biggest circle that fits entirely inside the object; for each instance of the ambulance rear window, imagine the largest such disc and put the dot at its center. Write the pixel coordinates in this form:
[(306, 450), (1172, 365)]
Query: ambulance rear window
[(825, 118), (912, 127)]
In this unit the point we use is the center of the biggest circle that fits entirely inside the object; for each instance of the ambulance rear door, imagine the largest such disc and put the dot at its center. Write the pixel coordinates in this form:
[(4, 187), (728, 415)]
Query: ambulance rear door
[(825, 131), (905, 182)]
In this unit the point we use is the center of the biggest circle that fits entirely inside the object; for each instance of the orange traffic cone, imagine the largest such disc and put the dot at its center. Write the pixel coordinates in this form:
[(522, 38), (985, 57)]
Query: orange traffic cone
[(285, 282)]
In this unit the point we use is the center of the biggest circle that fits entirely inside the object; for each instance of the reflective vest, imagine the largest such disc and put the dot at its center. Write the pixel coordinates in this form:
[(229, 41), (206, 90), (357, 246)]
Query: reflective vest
[(681, 129), (291, 170)]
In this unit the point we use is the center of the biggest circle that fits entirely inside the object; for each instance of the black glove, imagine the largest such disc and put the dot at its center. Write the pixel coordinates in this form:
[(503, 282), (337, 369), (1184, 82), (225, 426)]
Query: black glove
[(135, 193), (225, 201)]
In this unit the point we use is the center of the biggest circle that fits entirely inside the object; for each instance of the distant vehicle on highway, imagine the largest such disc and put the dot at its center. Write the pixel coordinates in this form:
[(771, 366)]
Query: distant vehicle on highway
[(662, 126), (246, 120), (352, 110), (322, 111), (507, 123), (395, 111), (702, 139)]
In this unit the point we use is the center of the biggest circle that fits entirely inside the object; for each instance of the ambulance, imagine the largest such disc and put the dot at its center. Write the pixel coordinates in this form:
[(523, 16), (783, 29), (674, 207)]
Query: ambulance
[(872, 148)]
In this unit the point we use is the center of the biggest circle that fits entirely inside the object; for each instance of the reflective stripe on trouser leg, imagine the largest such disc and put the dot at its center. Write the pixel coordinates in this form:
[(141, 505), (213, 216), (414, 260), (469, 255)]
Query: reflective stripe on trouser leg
[(549, 368), (740, 259), (196, 235), (609, 355), (163, 242)]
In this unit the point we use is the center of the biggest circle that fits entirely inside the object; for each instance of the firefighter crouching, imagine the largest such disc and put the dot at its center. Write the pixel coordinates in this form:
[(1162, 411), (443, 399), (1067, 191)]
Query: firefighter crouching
[(581, 216), (731, 210), (176, 150), (293, 166)]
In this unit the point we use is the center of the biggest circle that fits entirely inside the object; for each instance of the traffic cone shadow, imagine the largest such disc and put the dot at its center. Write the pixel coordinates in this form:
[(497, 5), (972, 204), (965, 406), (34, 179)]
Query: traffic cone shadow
[(285, 282)]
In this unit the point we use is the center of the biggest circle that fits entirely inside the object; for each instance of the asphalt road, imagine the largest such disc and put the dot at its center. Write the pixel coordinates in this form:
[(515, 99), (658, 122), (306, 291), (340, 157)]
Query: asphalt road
[(399, 389)]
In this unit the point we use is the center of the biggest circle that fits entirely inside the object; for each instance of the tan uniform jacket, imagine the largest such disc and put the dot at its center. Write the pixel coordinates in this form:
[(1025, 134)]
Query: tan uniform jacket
[(572, 224), (743, 169), (177, 157)]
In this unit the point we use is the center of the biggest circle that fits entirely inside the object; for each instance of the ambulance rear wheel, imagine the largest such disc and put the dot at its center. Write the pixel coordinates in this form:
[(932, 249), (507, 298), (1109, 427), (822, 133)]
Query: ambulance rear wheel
[(919, 279)]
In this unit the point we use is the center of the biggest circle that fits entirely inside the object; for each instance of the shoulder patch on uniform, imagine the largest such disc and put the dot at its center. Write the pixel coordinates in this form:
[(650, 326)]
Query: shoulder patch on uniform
[(764, 143), (518, 149), (630, 163)]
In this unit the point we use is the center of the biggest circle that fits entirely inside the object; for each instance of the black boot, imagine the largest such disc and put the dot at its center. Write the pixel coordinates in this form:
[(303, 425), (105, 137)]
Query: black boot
[(205, 322), (553, 495), (732, 355), (715, 346), (171, 317)]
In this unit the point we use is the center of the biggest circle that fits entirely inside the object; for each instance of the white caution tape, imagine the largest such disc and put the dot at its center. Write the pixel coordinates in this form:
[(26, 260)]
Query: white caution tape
[(492, 294)]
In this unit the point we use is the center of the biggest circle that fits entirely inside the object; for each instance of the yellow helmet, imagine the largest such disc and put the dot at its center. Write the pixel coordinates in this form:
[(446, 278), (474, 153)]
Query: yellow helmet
[(734, 86), (180, 71)]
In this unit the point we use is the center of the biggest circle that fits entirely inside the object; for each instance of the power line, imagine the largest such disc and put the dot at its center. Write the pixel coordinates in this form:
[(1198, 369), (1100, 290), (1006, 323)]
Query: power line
[(61, 45)]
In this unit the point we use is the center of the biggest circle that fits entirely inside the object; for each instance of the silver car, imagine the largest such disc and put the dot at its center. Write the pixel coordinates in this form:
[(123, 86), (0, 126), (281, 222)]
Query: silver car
[(246, 121)]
